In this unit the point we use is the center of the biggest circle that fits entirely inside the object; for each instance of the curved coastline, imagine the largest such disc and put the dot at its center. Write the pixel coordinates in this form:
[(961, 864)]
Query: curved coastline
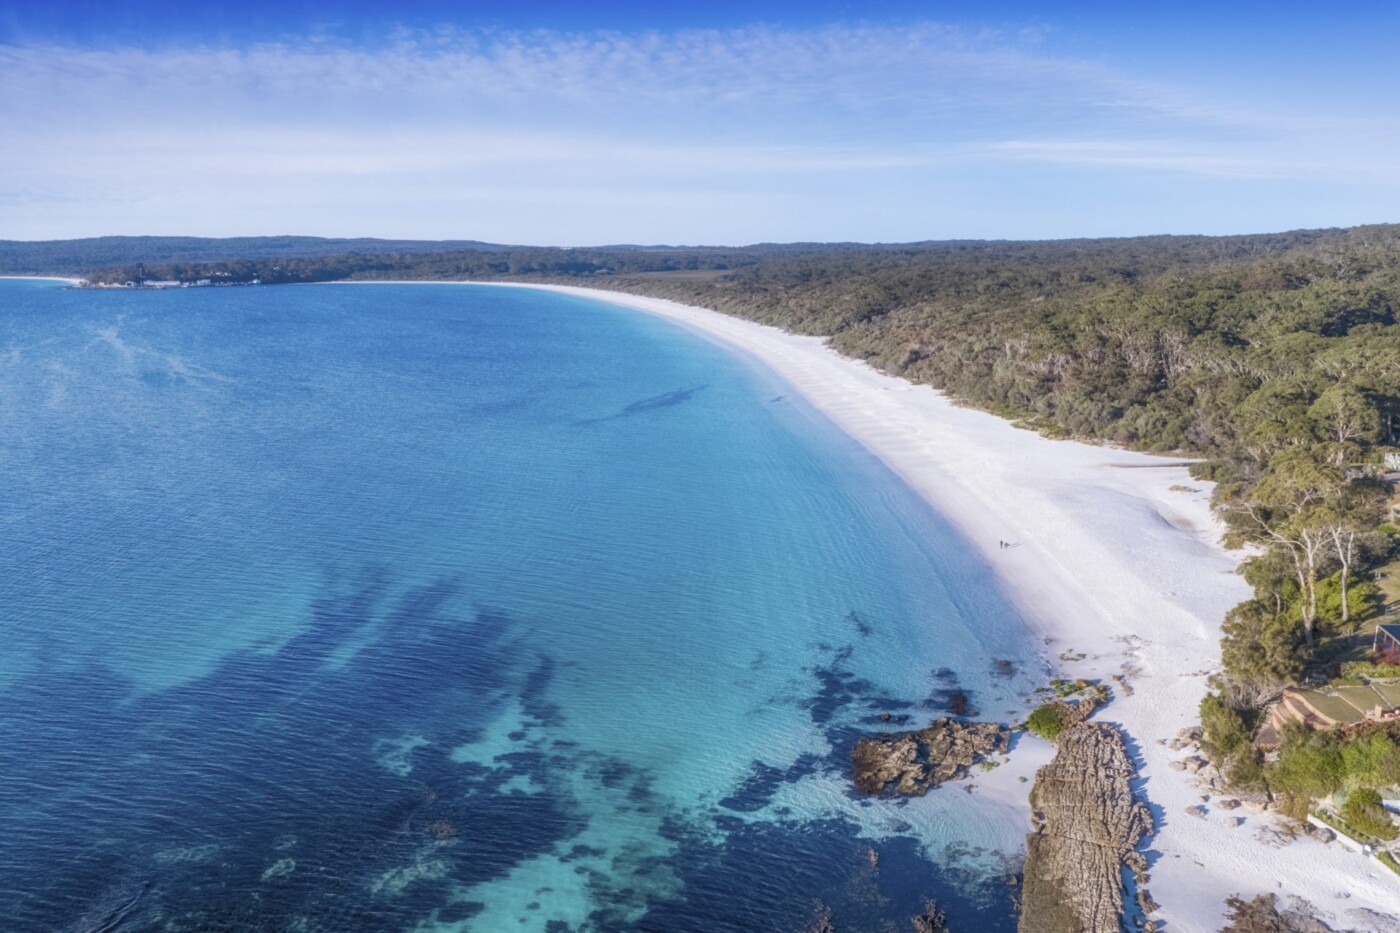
[(1120, 572)]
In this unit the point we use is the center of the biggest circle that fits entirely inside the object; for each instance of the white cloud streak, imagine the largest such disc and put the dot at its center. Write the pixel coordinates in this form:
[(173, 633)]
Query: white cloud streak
[(449, 122)]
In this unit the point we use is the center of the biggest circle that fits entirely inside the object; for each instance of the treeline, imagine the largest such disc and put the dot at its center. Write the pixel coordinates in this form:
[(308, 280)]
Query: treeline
[(77, 257), (496, 263)]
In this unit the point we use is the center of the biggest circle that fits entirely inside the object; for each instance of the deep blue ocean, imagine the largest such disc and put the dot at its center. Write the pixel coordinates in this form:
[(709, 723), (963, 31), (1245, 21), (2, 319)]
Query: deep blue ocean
[(439, 608)]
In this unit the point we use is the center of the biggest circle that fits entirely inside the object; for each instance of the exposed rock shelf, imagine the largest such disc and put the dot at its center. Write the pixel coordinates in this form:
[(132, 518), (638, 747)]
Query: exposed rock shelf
[(1087, 827), (911, 763)]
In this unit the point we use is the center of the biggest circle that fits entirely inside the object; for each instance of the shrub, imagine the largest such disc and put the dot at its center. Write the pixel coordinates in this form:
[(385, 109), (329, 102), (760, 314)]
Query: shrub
[(1363, 600), (1242, 771), (1225, 732), (1370, 669), (1309, 765), (1372, 759), (1388, 860), (1259, 645), (1046, 722), (1331, 821), (1363, 811)]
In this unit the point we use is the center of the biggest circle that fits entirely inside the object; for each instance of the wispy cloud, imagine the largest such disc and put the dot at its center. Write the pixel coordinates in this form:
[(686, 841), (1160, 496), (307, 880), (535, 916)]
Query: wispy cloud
[(464, 121), (1182, 157), (847, 71)]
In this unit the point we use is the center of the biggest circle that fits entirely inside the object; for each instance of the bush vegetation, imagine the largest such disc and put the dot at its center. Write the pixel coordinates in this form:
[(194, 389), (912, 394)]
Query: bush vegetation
[(1363, 810), (1312, 765), (1336, 824), (1046, 721), (1371, 670)]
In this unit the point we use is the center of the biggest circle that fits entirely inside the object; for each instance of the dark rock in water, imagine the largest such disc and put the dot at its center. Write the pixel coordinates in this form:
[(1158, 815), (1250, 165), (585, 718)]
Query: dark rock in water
[(911, 763), (1087, 827), (821, 920), (932, 920)]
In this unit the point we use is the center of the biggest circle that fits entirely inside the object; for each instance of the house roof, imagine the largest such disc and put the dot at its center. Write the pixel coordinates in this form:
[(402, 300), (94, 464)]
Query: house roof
[(1392, 629)]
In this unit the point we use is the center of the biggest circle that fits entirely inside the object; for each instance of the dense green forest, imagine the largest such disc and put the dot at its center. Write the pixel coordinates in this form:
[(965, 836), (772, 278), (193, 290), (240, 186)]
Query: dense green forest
[(1274, 359), (432, 261), (495, 263), (78, 257)]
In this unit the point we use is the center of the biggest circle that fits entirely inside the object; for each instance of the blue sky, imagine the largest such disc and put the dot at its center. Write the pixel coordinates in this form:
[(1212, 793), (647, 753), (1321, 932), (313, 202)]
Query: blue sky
[(722, 122)]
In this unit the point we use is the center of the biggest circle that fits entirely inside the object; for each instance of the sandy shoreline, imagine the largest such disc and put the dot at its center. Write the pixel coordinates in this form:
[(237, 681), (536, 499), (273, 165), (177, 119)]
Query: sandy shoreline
[(43, 278), (1121, 564), (1116, 563)]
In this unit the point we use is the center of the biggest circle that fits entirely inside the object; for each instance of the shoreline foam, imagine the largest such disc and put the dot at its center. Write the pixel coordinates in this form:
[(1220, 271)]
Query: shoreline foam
[(1118, 564)]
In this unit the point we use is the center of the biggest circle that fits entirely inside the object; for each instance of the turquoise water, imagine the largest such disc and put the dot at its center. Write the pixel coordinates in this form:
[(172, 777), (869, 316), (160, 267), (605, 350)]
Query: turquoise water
[(459, 608)]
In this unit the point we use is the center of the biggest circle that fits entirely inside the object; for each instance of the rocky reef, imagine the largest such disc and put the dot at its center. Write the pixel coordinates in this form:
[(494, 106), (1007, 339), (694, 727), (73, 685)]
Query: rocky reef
[(930, 920), (1087, 827), (911, 763)]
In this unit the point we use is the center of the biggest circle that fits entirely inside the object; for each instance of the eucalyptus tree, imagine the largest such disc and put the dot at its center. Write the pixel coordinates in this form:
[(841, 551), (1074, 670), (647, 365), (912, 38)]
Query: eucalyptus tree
[(1288, 509)]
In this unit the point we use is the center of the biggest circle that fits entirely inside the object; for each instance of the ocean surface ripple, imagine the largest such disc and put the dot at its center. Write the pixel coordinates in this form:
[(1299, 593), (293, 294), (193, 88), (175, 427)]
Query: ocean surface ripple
[(405, 608)]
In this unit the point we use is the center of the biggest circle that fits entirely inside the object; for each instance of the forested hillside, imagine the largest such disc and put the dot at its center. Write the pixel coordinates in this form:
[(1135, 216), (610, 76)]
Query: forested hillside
[(77, 257), (1156, 343)]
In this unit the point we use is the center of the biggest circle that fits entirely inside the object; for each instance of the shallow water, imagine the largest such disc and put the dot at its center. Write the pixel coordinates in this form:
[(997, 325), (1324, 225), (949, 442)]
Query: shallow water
[(440, 608)]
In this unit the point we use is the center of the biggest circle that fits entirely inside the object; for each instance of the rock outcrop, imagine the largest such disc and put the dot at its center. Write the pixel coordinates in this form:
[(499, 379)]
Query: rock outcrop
[(932, 920), (1264, 915), (1087, 826), (821, 920), (911, 763)]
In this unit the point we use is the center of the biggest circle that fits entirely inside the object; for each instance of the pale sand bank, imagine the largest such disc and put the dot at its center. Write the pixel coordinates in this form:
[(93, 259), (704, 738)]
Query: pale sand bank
[(43, 278), (1108, 560)]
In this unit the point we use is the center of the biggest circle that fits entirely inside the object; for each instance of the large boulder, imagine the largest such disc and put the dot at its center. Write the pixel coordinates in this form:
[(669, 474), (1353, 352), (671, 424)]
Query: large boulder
[(912, 763)]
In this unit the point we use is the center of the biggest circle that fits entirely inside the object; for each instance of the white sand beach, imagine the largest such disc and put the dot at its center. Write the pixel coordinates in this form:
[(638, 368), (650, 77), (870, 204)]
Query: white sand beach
[(1116, 556)]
